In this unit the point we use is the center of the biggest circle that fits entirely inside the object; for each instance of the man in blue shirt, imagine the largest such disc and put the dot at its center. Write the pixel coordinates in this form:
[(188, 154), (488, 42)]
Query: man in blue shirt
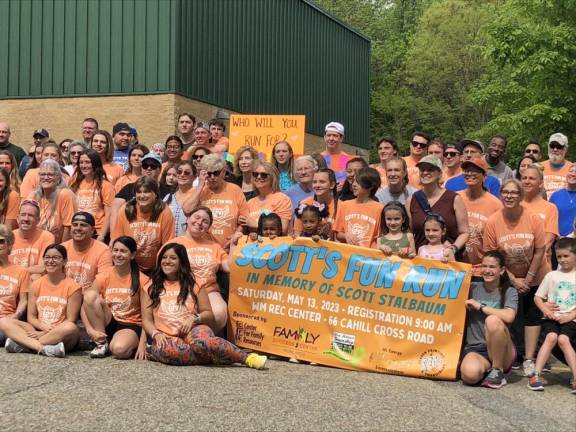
[(121, 136), (565, 200), (304, 169), (469, 150)]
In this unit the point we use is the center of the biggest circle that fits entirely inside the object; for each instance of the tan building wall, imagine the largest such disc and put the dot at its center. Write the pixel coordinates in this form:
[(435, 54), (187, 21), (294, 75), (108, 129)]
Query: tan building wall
[(154, 116)]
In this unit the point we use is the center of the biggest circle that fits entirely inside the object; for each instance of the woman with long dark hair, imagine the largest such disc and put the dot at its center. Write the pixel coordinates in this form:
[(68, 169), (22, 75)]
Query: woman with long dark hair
[(9, 201), (94, 193), (104, 145), (146, 219), (177, 321), (489, 351), (8, 162), (111, 311), (134, 170)]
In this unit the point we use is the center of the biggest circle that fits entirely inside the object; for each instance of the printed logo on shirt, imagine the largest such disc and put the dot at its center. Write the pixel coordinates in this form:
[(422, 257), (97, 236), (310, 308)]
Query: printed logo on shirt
[(48, 314)]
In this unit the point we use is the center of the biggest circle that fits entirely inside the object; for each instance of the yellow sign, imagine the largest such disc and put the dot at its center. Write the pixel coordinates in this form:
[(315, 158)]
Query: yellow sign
[(263, 131), (349, 307)]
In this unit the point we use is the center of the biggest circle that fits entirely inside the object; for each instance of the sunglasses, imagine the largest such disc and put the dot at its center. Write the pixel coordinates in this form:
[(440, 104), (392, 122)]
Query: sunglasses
[(213, 173), (150, 166), (556, 146), (419, 144), (184, 172), (261, 175), (3, 241), (534, 151), (75, 153), (451, 154), (197, 157)]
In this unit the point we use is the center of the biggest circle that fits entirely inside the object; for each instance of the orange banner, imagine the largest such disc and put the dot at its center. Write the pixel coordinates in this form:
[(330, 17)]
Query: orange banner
[(348, 307), (263, 131)]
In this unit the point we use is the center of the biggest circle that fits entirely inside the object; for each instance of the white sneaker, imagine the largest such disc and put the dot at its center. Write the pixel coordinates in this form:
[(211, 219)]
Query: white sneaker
[(13, 347), (100, 351), (54, 350), (528, 367)]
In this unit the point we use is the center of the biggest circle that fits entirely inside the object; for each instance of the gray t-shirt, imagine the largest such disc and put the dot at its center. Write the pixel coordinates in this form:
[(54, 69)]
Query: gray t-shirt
[(501, 171), (385, 196), (475, 334)]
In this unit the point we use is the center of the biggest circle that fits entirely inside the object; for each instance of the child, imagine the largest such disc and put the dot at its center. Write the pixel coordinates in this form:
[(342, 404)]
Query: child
[(558, 326), (311, 217), (396, 239), (269, 226), (435, 230)]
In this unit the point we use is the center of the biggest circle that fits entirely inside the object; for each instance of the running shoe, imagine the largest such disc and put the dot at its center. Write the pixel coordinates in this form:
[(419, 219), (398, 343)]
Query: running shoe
[(573, 385), (256, 361), (495, 379), (528, 367), (13, 347), (547, 367), (535, 382), (100, 351), (53, 350)]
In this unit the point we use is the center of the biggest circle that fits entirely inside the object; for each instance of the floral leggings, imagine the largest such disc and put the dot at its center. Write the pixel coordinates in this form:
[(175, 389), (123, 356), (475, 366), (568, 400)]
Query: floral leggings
[(200, 346)]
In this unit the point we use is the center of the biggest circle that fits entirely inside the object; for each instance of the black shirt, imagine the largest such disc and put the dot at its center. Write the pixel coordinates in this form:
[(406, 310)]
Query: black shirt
[(129, 191), (16, 151)]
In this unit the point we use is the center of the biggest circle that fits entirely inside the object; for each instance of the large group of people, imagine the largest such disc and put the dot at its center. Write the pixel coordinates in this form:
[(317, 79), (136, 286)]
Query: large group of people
[(131, 243)]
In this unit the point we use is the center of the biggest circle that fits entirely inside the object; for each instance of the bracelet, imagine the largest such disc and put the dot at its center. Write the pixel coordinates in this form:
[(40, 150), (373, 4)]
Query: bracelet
[(531, 274), (198, 319)]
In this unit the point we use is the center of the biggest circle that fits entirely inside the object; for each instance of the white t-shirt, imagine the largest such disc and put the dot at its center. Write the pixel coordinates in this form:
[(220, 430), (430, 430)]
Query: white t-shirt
[(560, 288)]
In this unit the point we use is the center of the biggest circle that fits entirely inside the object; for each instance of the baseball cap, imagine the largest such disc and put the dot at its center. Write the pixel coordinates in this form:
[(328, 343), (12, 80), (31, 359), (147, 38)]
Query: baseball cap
[(85, 217), (466, 142), (133, 132), (430, 160), (202, 125), (478, 162), (335, 127), (120, 127), (452, 146), (558, 138), (152, 156), (42, 132)]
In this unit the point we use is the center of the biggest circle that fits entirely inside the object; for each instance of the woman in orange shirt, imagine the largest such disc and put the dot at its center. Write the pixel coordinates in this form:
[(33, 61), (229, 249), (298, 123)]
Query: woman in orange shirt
[(9, 201), (146, 219), (53, 306), (14, 281), (177, 321), (8, 162), (50, 151), (134, 171), (268, 197), (57, 202), (111, 309), (104, 146), (94, 193)]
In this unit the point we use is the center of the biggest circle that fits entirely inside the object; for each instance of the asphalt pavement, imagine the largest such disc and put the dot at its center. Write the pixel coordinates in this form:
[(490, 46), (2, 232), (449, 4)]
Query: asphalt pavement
[(80, 394)]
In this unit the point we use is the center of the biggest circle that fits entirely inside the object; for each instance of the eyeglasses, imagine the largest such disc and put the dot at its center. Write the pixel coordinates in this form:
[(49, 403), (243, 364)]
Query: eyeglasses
[(75, 153), (451, 154), (419, 144), (510, 193), (533, 151), (152, 166), (183, 172), (46, 175), (30, 202), (197, 156), (53, 258), (213, 173), (261, 175), (556, 146)]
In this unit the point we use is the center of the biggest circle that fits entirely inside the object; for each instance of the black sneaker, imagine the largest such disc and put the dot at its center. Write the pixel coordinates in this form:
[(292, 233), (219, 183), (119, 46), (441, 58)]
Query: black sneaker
[(517, 365), (547, 367), (495, 379)]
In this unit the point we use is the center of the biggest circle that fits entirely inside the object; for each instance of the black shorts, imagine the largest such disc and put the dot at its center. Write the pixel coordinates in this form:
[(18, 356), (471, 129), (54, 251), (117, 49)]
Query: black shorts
[(532, 314), (567, 329), (481, 349), (115, 326)]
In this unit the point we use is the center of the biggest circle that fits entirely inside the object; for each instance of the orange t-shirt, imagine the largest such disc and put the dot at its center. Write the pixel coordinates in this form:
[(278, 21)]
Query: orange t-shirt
[(361, 220), (13, 206), (548, 212), (205, 258), (479, 211), (149, 236), (517, 241), (93, 201), (14, 282), (382, 172), (170, 314), (31, 181), (275, 202), (113, 171), (226, 205), (117, 293), (83, 266), (55, 219), (27, 252), (329, 220), (52, 300), (555, 180), (124, 180), (413, 172)]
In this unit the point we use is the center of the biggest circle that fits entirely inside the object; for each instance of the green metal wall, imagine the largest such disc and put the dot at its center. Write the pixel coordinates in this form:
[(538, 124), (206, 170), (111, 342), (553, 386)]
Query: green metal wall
[(81, 47), (275, 56), (252, 56)]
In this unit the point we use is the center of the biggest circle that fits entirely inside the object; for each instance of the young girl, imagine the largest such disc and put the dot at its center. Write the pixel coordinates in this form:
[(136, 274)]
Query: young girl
[(177, 321), (311, 217), (396, 238), (269, 226), (435, 230)]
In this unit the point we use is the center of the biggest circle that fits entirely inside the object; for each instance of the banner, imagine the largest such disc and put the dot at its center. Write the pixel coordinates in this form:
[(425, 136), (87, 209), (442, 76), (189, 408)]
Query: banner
[(263, 131), (348, 307)]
